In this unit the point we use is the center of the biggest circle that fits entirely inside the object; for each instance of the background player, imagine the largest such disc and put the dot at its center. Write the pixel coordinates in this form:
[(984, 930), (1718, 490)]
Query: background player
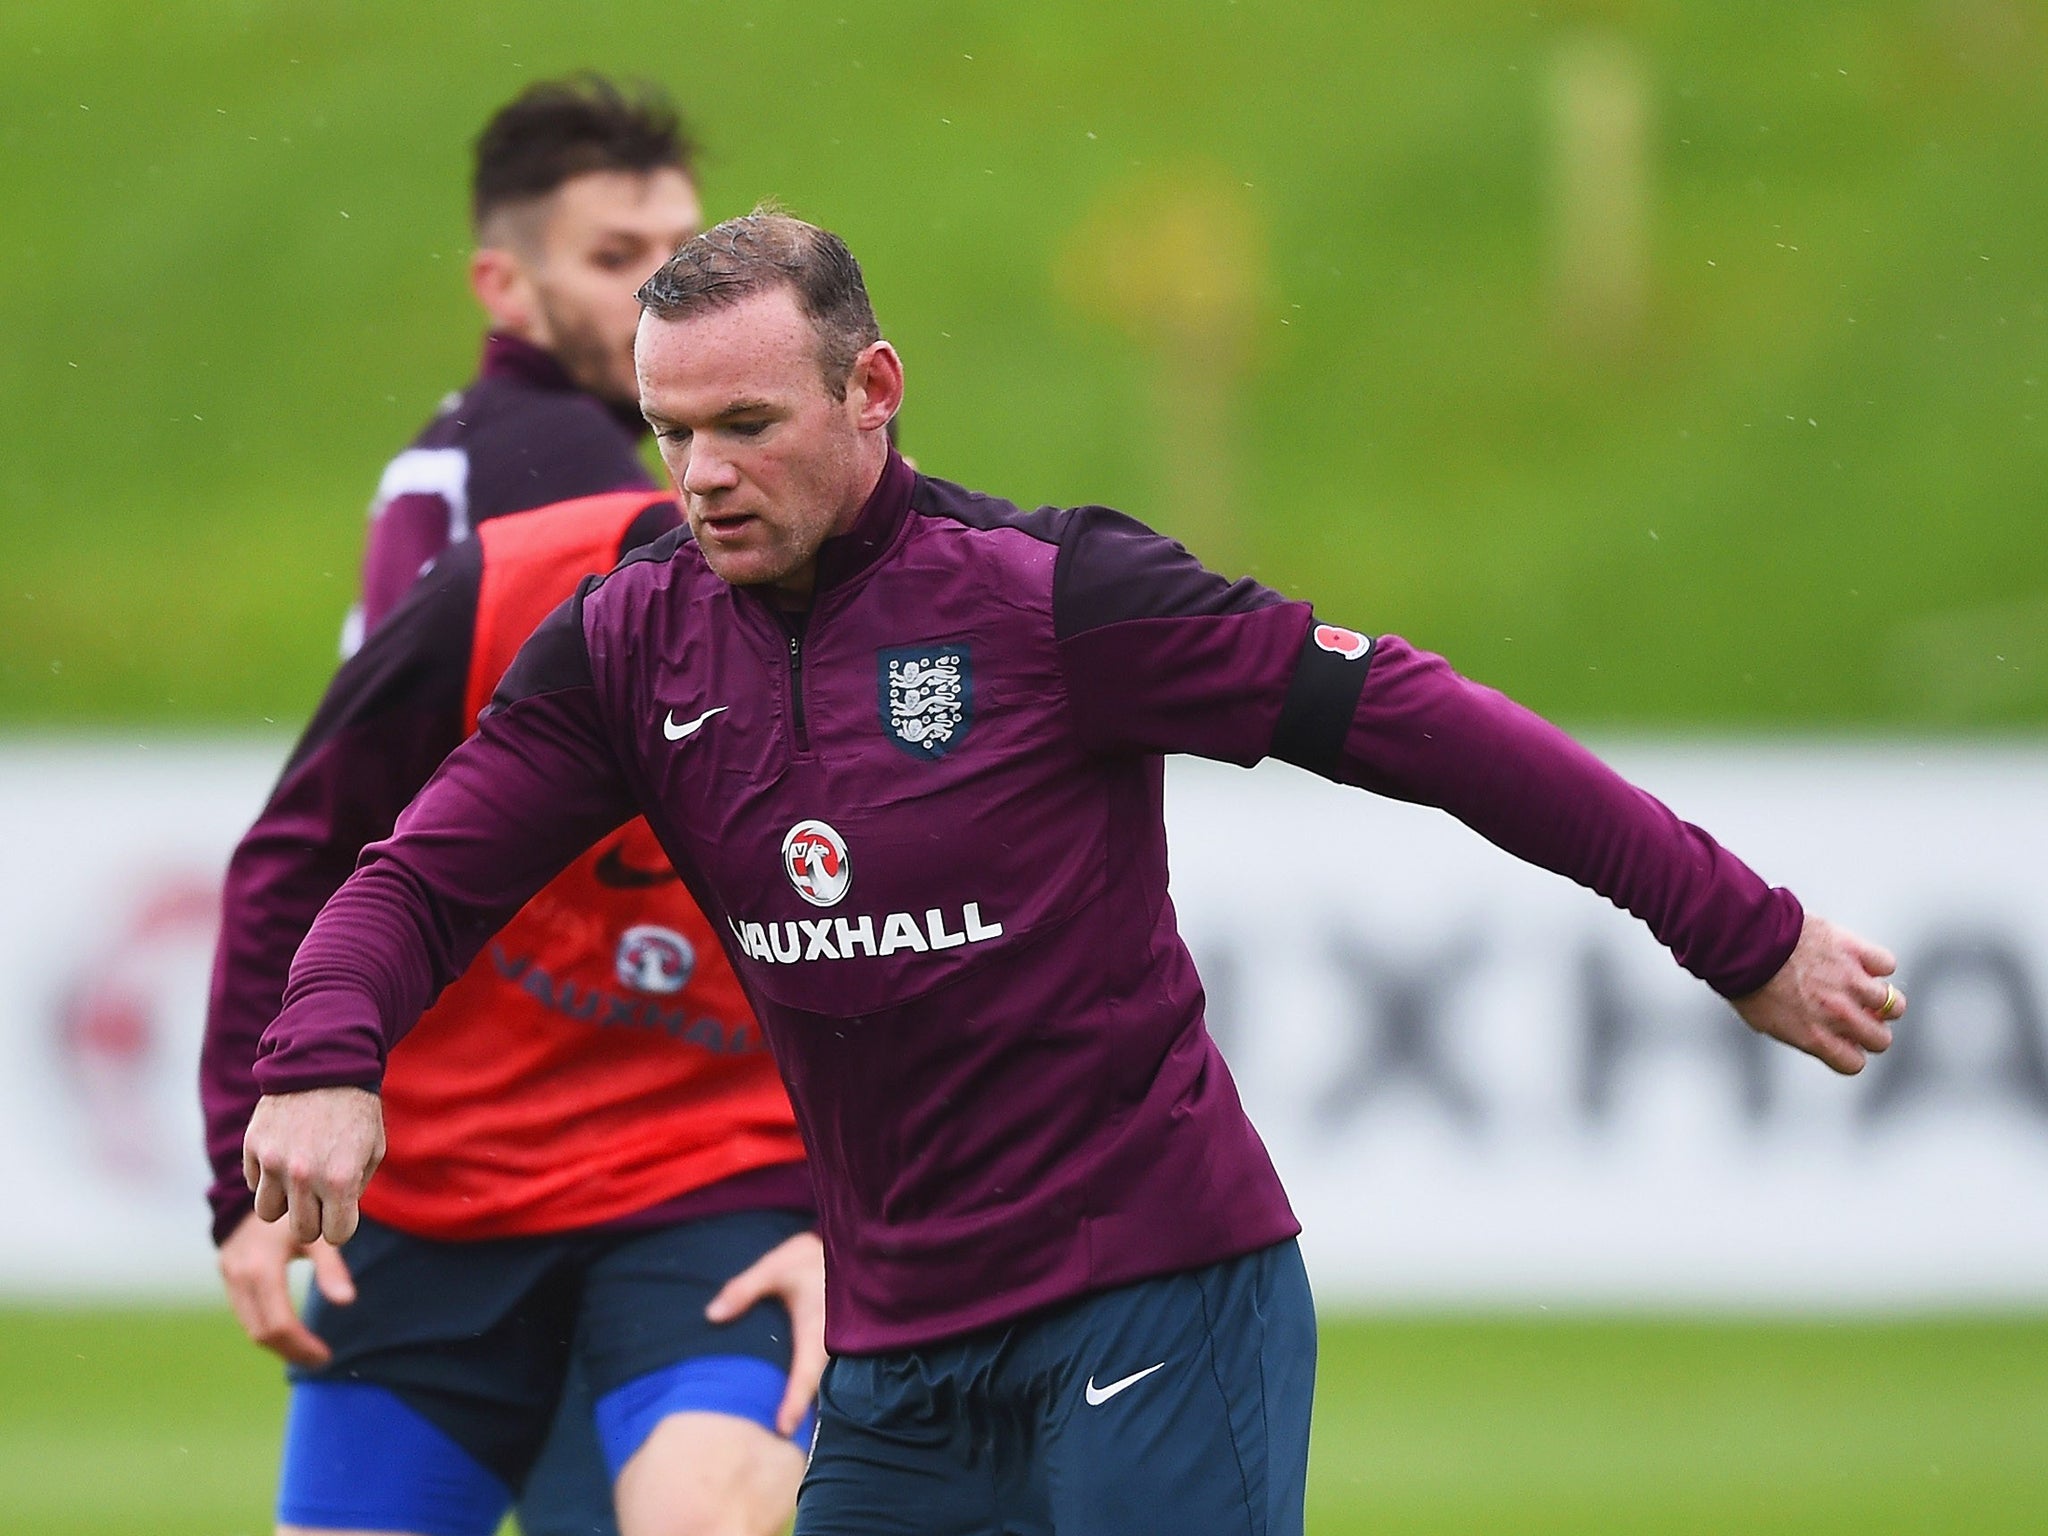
[(1065, 1293), (580, 191), (587, 1137)]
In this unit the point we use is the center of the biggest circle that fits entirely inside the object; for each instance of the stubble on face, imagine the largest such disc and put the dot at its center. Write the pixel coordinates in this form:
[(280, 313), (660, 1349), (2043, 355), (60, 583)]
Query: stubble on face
[(595, 241), (588, 355)]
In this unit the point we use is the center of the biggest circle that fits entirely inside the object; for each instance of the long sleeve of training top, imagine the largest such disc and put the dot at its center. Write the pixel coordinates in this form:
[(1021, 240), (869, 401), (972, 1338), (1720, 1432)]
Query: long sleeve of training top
[(529, 791), (929, 825), (521, 435), (599, 1064), (1152, 630), (390, 715)]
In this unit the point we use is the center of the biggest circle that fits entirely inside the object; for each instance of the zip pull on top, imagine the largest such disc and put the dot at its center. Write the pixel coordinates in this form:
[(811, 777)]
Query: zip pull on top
[(796, 692)]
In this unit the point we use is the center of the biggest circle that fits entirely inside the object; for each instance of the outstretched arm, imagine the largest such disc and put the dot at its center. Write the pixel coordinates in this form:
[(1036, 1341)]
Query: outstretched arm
[(535, 786), (1161, 655), (389, 717), (1421, 732)]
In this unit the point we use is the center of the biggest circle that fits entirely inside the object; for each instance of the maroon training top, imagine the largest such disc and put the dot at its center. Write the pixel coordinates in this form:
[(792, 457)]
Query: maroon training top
[(928, 821), (521, 436)]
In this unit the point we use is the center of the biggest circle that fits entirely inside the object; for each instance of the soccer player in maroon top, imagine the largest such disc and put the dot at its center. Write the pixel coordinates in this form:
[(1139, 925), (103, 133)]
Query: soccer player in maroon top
[(580, 193), (905, 744)]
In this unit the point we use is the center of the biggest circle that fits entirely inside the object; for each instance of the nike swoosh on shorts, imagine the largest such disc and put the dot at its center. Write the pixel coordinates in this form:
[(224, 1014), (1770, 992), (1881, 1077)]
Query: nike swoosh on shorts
[(1097, 1396)]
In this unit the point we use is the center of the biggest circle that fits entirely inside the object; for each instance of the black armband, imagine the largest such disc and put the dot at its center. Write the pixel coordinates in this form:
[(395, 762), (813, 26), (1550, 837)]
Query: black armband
[(1322, 698)]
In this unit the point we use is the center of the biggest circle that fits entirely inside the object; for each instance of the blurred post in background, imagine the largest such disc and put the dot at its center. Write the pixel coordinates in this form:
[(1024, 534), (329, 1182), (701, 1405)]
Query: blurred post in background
[(1176, 263), (1601, 189)]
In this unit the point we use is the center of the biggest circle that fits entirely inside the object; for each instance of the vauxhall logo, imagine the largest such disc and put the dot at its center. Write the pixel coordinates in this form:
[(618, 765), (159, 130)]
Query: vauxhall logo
[(815, 859)]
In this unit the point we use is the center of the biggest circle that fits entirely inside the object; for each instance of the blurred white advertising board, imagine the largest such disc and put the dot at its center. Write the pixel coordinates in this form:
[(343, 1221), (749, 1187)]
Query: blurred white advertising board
[(111, 854), (1484, 1086)]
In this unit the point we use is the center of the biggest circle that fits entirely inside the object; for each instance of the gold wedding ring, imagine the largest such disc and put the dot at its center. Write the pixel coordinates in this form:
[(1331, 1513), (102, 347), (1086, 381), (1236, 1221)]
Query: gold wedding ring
[(1890, 1005)]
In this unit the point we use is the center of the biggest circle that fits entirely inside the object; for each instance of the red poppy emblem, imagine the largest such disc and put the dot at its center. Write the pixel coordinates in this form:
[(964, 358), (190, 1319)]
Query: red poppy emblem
[(1348, 643)]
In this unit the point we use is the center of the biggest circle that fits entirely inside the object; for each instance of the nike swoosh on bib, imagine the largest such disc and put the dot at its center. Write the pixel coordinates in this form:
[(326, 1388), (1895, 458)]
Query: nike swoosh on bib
[(613, 870), (675, 732), (1097, 1396)]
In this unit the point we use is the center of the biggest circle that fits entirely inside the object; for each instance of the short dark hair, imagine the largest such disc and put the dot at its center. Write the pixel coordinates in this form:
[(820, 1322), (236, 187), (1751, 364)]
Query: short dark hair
[(557, 130), (769, 249)]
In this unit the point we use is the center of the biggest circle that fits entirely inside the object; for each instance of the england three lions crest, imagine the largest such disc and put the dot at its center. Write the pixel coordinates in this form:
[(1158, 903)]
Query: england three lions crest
[(927, 697)]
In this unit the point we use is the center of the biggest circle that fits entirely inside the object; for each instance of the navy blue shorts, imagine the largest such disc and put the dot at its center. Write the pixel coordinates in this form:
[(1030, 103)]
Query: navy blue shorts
[(1178, 1405), (450, 1367)]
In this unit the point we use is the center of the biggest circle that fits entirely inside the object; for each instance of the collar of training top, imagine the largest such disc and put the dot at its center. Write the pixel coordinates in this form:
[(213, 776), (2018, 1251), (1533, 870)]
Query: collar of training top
[(509, 357), (846, 555)]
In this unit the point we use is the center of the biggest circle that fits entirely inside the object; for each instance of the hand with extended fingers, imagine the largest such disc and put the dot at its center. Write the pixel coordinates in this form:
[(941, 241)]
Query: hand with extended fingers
[(792, 1273), (255, 1261), (1830, 999)]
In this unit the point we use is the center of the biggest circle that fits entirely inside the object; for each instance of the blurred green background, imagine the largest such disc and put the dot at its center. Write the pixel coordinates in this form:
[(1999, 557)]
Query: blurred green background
[(1671, 366), (1668, 365)]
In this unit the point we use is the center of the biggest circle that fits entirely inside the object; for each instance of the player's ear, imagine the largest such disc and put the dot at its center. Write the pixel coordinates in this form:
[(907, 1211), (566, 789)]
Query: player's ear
[(876, 388), (505, 290)]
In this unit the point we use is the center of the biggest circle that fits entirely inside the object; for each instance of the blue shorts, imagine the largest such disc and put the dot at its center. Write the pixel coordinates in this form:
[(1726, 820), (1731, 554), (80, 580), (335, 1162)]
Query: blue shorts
[(1179, 1405), (450, 1367)]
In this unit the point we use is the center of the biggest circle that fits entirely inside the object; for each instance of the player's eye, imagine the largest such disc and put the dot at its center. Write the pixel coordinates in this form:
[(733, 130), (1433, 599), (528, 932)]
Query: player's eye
[(672, 434), (749, 428)]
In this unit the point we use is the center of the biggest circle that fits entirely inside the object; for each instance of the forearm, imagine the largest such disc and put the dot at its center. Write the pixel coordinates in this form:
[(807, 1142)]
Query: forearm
[(506, 812), (1425, 734), (368, 969), (388, 718), (277, 886), (272, 892)]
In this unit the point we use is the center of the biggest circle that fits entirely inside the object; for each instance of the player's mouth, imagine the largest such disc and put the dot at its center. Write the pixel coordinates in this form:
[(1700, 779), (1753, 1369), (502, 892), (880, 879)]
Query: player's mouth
[(725, 527)]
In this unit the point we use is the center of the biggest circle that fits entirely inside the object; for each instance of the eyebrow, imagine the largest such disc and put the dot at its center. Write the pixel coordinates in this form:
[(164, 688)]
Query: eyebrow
[(732, 409)]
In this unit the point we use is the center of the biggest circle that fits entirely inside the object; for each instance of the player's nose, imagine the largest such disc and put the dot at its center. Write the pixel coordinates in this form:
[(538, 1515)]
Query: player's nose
[(707, 472)]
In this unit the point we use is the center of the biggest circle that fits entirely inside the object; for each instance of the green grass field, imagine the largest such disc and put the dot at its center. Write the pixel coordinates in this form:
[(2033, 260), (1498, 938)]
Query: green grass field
[(166, 1422), (1800, 491)]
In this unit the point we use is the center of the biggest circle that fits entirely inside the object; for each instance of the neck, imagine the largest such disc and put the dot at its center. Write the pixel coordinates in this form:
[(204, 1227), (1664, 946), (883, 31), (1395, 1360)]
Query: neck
[(794, 593), (871, 457)]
